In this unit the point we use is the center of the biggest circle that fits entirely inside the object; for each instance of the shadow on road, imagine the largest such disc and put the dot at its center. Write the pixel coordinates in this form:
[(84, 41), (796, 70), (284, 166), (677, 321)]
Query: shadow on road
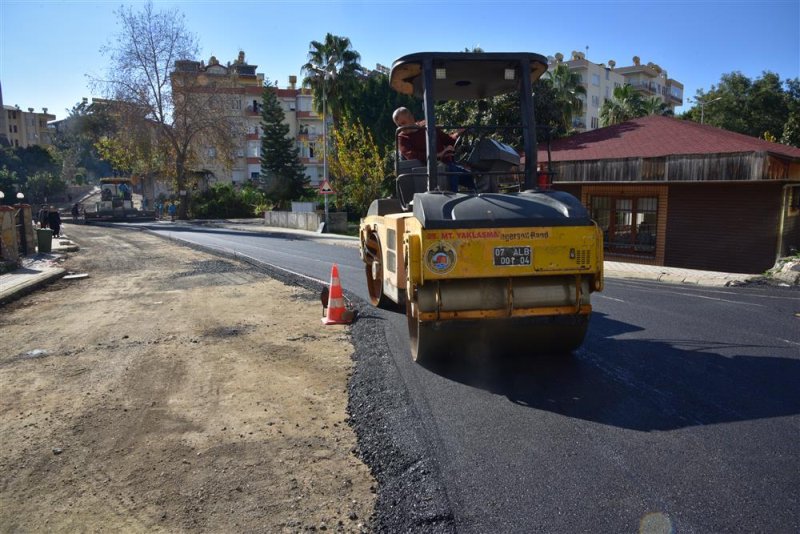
[(640, 384)]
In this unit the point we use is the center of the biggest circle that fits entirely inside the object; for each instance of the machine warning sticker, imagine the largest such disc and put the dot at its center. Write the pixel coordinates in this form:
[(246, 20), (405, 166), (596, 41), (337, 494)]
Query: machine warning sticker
[(440, 257)]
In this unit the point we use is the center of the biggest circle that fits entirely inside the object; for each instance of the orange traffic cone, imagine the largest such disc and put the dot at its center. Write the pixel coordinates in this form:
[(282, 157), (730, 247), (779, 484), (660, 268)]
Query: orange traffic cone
[(337, 314)]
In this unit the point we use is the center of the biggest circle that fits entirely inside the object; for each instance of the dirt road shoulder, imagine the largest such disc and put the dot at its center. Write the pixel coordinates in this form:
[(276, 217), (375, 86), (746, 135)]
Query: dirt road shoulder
[(174, 391)]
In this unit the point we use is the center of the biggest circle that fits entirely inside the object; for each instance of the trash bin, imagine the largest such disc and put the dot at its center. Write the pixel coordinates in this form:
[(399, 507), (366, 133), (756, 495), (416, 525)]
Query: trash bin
[(44, 239)]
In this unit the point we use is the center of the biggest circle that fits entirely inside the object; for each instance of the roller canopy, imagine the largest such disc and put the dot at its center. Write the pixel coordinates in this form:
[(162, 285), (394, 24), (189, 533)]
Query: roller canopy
[(465, 76), (529, 208)]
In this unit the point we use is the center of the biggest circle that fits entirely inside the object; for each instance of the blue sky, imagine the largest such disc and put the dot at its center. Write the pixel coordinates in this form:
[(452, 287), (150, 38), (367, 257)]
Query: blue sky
[(48, 47)]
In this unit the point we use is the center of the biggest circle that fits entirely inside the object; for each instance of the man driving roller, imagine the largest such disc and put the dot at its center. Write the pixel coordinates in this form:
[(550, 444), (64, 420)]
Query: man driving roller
[(412, 144)]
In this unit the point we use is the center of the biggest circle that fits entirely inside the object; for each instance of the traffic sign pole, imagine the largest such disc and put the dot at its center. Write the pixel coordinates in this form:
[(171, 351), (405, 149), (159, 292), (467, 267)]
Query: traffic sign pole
[(325, 189)]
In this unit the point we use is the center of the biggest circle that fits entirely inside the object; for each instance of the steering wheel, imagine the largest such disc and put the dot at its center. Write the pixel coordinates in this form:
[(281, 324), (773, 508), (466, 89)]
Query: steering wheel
[(462, 147)]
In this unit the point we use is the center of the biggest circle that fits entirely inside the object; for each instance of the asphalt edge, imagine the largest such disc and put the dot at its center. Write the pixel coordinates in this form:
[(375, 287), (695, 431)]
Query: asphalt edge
[(410, 493)]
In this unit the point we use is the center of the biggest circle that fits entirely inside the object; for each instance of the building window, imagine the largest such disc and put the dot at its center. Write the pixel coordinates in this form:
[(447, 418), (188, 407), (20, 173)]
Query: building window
[(254, 175), (595, 79), (607, 74), (595, 100), (595, 122), (628, 223)]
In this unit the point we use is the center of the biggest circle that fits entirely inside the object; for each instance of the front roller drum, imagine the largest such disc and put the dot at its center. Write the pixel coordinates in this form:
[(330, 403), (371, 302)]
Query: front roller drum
[(517, 337), (373, 269)]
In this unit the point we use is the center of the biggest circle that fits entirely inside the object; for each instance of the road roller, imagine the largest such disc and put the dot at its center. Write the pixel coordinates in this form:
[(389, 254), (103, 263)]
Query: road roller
[(503, 259)]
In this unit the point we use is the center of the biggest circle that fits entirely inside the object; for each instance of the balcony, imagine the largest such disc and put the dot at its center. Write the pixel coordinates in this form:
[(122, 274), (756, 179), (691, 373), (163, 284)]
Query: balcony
[(678, 101), (647, 87)]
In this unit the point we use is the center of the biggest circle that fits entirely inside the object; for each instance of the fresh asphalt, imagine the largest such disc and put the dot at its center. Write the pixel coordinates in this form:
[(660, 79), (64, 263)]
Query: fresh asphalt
[(678, 414)]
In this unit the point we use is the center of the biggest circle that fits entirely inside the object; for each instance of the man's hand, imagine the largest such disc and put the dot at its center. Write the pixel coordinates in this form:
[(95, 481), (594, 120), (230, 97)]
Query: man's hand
[(446, 154)]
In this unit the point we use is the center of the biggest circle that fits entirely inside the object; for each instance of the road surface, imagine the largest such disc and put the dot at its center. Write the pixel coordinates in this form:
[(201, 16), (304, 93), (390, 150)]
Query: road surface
[(680, 412)]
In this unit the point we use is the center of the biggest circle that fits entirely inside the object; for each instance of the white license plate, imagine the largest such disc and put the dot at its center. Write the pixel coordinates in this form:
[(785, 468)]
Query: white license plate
[(512, 256)]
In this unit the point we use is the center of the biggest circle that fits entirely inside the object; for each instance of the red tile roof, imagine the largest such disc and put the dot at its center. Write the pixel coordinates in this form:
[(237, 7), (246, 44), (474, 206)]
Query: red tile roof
[(657, 136)]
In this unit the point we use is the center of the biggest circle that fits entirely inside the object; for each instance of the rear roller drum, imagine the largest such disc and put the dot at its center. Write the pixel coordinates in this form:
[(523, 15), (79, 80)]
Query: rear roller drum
[(490, 338)]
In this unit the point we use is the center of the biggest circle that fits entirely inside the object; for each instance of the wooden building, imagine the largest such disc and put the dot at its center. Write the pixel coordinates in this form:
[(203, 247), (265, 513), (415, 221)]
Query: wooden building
[(680, 194)]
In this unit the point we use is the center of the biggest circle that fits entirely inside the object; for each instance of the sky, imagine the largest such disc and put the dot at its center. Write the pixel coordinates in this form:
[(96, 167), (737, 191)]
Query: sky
[(50, 49)]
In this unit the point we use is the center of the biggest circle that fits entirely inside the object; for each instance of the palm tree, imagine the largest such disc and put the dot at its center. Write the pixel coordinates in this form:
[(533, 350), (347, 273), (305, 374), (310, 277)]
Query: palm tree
[(627, 104), (332, 65), (568, 91), (655, 106)]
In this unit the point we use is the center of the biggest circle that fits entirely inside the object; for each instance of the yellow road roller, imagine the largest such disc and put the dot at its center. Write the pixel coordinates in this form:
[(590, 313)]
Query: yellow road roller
[(502, 259)]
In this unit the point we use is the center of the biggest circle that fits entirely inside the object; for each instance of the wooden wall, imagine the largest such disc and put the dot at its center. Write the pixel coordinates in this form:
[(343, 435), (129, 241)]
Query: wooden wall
[(728, 227), (681, 168)]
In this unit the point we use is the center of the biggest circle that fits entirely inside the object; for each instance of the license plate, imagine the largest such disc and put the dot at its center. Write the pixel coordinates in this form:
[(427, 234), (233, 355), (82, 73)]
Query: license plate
[(512, 256)]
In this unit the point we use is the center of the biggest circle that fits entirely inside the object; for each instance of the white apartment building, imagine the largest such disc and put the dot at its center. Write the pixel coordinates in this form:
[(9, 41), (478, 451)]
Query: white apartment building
[(600, 79), (243, 88)]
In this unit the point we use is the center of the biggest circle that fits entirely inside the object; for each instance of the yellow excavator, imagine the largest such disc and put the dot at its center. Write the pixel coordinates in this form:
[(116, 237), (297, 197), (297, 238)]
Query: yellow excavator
[(507, 261)]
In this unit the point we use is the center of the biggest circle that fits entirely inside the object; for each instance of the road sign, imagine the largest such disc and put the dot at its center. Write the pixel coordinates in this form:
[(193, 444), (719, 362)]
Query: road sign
[(325, 188)]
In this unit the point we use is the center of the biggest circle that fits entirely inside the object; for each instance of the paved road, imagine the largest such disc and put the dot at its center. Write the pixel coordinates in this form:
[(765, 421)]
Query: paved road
[(680, 411)]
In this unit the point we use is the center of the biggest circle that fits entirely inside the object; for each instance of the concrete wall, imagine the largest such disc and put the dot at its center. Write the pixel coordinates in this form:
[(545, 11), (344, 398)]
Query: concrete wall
[(14, 237), (8, 234), (306, 221)]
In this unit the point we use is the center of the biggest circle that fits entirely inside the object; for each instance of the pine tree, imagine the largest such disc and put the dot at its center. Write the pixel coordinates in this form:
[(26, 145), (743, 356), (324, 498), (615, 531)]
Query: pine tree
[(281, 171)]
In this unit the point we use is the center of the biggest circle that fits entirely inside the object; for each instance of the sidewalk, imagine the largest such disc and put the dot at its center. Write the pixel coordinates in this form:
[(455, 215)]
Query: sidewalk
[(36, 271)]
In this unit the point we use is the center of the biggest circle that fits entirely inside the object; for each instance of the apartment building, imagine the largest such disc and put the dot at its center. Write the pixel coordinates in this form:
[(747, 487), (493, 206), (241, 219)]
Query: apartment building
[(27, 128), (241, 87), (600, 80)]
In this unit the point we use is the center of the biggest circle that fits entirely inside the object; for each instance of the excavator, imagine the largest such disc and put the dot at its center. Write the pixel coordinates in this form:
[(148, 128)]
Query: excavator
[(508, 262)]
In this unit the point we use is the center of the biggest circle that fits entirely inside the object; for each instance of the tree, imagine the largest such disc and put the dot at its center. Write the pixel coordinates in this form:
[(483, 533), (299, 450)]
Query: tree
[(371, 102), (9, 182), (75, 140), (281, 170), (791, 130), (626, 104), (358, 166), (33, 170), (655, 106), (331, 70), (569, 93), (42, 185), (764, 107), (183, 110)]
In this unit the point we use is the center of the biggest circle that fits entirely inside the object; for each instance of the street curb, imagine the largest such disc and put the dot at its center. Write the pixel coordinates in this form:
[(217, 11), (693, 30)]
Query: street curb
[(34, 282)]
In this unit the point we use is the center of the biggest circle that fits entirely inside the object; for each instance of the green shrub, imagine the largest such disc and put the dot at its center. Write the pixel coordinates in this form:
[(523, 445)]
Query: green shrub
[(224, 201)]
